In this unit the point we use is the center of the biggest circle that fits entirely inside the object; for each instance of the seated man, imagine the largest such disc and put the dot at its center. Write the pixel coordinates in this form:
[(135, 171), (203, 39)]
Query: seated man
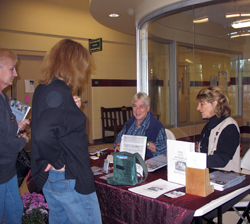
[(143, 123)]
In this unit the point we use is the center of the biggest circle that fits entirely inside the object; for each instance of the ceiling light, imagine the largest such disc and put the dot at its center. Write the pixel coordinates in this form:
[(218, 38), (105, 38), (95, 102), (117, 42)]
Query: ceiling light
[(237, 15), (114, 15), (232, 15), (233, 36), (200, 20), (244, 14), (245, 34), (189, 61), (241, 23)]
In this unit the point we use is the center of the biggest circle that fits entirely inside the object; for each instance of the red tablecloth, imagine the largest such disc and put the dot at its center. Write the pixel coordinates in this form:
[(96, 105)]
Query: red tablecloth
[(118, 205)]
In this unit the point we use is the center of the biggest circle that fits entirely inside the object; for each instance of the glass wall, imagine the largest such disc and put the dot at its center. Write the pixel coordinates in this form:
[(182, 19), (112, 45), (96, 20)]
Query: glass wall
[(185, 50)]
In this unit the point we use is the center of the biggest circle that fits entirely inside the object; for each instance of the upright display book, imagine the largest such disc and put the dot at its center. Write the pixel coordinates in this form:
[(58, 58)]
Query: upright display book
[(177, 160), (156, 162), (19, 109), (133, 144), (224, 179)]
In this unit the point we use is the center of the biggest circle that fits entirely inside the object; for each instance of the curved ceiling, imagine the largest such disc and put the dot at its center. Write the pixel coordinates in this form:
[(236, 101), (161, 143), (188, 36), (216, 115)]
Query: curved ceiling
[(100, 9)]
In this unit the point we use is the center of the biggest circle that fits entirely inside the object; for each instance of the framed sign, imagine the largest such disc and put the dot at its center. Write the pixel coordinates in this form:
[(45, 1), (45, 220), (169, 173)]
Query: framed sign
[(95, 45), (222, 76)]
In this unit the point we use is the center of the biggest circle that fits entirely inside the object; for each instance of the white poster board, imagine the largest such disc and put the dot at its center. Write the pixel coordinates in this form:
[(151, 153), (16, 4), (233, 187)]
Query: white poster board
[(177, 160)]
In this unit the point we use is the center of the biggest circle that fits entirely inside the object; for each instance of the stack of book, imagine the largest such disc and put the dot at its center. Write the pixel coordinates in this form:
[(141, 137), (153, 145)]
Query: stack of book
[(224, 179)]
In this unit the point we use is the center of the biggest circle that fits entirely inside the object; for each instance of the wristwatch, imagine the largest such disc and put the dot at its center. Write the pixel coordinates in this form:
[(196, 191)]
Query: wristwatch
[(148, 144)]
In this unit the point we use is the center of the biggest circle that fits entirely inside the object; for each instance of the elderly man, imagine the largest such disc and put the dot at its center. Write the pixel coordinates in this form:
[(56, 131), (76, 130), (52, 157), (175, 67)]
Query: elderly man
[(143, 123)]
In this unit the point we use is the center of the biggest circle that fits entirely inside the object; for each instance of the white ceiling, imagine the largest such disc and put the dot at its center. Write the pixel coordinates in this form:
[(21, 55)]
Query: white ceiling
[(100, 9)]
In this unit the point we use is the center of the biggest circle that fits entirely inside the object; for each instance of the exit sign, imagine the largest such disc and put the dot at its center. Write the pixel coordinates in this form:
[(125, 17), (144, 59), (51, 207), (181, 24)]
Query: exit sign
[(95, 45)]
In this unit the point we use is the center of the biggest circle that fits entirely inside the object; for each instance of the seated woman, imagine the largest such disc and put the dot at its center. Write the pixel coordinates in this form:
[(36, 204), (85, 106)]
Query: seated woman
[(220, 137), (143, 123)]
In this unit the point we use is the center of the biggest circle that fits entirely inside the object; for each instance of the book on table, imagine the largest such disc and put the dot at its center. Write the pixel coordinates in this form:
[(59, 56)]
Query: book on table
[(156, 162), (94, 150), (19, 109), (225, 179)]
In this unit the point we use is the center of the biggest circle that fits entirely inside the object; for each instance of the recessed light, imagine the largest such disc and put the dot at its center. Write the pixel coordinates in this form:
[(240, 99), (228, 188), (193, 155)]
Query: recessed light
[(234, 36), (245, 34), (201, 20), (241, 23), (232, 15), (114, 15), (237, 15), (245, 14)]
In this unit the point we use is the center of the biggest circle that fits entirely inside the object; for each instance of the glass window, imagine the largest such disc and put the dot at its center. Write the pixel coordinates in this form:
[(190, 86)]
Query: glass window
[(158, 78), (201, 68), (185, 50)]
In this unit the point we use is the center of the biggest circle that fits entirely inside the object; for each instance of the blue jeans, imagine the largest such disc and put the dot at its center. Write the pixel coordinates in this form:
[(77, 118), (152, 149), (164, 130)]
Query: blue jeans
[(68, 206), (11, 205)]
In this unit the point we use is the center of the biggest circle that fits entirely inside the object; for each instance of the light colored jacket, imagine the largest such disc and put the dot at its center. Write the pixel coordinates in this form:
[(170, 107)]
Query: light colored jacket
[(234, 163)]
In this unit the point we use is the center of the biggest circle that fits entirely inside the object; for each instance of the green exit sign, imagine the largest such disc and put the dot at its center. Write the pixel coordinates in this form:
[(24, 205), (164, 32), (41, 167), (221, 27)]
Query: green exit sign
[(95, 45)]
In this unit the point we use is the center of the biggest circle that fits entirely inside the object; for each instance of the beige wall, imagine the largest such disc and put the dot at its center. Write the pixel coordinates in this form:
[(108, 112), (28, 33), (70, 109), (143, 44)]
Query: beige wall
[(117, 61), (35, 26)]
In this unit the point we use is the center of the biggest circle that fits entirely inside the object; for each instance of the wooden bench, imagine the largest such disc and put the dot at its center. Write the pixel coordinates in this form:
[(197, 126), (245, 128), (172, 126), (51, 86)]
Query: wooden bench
[(113, 119)]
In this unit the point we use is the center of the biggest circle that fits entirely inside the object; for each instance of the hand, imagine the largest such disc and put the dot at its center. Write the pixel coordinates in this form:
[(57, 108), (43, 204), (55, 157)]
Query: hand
[(152, 147), (23, 124), (117, 147), (24, 135), (78, 101), (48, 168)]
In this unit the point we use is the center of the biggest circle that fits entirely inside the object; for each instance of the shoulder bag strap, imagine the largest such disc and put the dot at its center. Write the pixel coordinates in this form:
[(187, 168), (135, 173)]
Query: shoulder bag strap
[(141, 162)]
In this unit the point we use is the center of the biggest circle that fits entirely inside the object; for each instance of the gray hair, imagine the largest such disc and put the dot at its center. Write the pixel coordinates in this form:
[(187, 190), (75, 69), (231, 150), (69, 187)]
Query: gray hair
[(143, 96), (6, 54)]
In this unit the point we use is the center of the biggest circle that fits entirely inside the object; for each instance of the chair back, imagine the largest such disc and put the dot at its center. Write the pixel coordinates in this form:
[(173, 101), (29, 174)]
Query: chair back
[(170, 134), (245, 164)]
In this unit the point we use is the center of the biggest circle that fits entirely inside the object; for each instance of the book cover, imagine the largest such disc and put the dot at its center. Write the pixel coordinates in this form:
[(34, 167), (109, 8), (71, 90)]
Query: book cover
[(224, 179), (19, 109), (156, 162), (177, 160)]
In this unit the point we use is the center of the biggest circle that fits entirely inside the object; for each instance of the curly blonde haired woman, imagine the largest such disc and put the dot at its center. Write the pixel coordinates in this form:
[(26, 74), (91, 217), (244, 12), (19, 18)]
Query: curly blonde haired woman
[(220, 137)]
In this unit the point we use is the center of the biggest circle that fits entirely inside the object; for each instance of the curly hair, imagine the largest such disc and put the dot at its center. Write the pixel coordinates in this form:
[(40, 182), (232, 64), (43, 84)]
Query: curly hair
[(68, 61), (212, 94)]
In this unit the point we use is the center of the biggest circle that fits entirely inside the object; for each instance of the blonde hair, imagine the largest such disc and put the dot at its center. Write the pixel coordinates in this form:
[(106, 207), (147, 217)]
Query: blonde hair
[(143, 96), (212, 94), (6, 54), (68, 61)]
